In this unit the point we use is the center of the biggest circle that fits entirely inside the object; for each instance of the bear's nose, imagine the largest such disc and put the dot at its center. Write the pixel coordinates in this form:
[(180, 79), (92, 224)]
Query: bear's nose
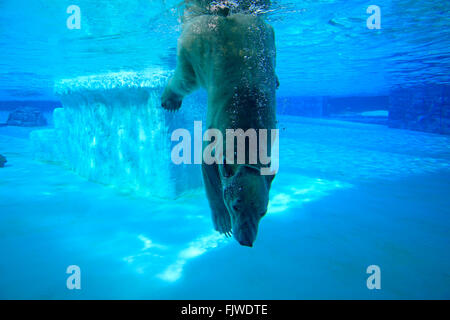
[(246, 234), (246, 243)]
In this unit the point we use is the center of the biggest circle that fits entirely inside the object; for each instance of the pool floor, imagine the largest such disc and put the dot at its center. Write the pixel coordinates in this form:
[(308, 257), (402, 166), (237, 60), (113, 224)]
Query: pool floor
[(347, 196)]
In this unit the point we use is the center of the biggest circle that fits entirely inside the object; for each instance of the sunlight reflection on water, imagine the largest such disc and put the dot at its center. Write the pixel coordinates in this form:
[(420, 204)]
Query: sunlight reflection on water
[(167, 261)]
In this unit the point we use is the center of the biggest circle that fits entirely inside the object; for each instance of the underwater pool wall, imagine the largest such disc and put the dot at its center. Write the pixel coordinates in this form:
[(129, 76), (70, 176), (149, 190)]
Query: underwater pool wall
[(421, 108), (112, 130)]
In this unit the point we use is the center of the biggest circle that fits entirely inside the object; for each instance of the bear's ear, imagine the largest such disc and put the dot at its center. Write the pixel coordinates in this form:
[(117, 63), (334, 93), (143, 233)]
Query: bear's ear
[(269, 179)]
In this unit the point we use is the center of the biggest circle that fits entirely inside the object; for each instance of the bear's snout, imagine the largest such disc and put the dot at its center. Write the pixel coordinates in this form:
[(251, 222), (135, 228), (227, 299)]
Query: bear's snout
[(245, 234)]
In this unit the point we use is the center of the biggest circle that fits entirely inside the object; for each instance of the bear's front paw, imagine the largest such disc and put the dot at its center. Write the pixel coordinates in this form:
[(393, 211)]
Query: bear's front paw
[(171, 103), (222, 224)]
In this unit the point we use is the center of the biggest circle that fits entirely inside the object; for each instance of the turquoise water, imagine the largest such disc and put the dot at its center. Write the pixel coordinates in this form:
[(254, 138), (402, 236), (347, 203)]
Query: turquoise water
[(348, 195), (323, 47)]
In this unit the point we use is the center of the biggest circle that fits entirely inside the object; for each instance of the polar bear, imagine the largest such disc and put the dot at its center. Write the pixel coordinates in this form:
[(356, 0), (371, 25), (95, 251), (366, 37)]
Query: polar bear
[(231, 53)]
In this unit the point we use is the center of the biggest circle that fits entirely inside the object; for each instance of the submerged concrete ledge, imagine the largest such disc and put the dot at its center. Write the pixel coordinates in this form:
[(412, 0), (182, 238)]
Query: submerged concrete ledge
[(112, 130), (148, 78)]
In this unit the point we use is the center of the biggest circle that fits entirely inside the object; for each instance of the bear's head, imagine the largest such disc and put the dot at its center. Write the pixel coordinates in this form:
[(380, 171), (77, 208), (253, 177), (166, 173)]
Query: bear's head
[(246, 196)]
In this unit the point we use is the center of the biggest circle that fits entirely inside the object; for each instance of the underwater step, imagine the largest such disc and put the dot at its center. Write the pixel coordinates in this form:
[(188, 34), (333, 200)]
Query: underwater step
[(113, 130)]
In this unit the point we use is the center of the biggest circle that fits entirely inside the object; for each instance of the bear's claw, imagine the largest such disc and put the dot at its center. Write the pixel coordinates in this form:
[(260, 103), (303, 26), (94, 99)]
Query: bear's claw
[(223, 225)]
